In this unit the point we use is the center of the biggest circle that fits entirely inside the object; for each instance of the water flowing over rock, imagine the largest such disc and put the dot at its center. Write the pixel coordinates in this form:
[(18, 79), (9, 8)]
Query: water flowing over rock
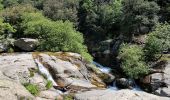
[(69, 74), (45, 72)]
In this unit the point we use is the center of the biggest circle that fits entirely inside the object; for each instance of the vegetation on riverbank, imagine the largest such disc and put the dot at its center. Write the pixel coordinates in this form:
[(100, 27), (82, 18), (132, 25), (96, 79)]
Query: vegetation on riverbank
[(80, 25)]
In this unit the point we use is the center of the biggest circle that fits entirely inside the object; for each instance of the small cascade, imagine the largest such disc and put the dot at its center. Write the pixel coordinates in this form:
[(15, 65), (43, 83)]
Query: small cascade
[(113, 87), (45, 72), (102, 68)]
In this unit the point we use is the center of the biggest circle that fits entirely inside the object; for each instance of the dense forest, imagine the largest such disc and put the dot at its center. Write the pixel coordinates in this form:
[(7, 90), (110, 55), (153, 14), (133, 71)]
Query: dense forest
[(130, 36)]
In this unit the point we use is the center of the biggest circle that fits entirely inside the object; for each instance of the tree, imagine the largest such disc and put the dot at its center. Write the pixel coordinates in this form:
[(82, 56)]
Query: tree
[(61, 10), (164, 12), (1, 5), (99, 19), (36, 3), (12, 15), (158, 41), (138, 14), (54, 35), (5, 29), (8, 3), (132, 61)]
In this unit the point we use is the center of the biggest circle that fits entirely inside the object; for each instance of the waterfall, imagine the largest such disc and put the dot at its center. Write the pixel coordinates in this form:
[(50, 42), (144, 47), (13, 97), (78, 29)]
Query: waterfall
[(113, 87), (102, 68), (45, 72)]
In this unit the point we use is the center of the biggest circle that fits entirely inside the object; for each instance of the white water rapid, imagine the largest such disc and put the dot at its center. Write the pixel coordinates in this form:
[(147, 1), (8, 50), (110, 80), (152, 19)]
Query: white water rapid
[(113, 87), (45, 72)]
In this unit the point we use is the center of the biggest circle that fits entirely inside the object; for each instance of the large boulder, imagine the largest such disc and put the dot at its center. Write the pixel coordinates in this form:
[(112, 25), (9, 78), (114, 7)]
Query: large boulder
[(163, 91), (117, 95), (124, 83), (26, 44)]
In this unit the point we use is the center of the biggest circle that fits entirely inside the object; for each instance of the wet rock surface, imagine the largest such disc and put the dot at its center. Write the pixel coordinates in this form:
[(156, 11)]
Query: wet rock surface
[(70, 72)]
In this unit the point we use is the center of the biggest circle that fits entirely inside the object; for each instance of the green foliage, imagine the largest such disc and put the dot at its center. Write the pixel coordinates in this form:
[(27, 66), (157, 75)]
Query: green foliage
[(12, 15), (1, 5), (5, 29), (49, 84), (139, 13), (132, 61), (54, 36), (157, 42), (8, 3), (68, 97), (99, 19), (33, 89), (61, 10), (36, 3)]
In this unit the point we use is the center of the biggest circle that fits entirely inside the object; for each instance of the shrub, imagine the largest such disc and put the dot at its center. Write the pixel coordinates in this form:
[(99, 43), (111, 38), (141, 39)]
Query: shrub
[(12, 15), (132, 62), (49, 84), (54, 36), (5, 29), (33, 89), (157, 42), (68, 97)]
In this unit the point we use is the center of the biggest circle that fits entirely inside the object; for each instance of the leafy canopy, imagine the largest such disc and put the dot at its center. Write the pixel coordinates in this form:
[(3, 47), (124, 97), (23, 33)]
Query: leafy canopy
[(132, 61), (54, 35), (158, 41)]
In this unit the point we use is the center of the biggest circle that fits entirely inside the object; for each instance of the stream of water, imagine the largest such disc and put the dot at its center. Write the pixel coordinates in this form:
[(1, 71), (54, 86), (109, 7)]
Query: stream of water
[(113, 87), (45, 72)]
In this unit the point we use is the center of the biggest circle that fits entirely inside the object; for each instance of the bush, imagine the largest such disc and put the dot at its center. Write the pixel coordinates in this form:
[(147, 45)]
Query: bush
[(12, 15), (33, 89), (132, 62), (5, 30), (49, 84), (157, 42), (54, 36)]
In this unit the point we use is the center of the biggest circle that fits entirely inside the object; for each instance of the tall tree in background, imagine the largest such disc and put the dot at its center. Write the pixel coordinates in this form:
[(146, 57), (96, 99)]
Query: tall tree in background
[(61, 10), (99, 18), (139, 16), (165, 9), (36, 3), (1, 5)]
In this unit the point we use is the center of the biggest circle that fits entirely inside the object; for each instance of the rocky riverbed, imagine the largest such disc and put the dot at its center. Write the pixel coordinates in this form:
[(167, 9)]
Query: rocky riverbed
[(71, 77)]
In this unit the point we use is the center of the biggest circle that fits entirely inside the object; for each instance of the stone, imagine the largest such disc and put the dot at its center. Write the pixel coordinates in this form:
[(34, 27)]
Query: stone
[(163, 91), (117, 95), (26, 44), (50, 94), (3, 47), (66, 72), (10, 90), (124, 83)]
